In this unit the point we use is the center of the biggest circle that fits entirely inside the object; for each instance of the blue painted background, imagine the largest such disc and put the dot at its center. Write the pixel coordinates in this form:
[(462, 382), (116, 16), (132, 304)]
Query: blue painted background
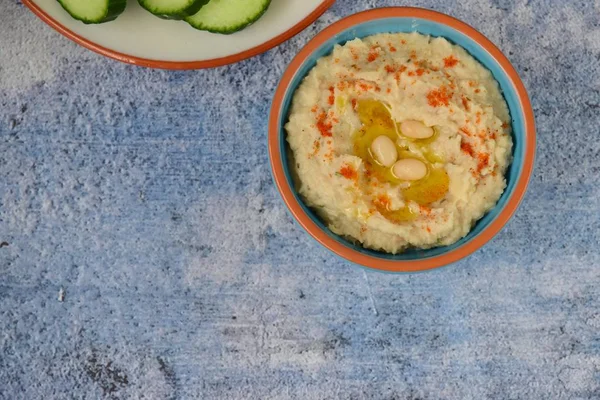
[(146, 197)]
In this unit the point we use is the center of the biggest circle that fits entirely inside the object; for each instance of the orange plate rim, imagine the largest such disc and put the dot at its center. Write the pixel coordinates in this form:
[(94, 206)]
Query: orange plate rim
[(179, 65)]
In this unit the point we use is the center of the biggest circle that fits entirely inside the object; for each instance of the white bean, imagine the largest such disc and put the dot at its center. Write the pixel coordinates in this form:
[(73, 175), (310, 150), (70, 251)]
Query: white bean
[(415, 129), (409, 169), (384, 151)]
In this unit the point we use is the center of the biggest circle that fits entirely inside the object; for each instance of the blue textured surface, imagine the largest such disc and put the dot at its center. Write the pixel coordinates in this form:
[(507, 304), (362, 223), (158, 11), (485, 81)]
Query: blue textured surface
[(394, 25), (146, 196)]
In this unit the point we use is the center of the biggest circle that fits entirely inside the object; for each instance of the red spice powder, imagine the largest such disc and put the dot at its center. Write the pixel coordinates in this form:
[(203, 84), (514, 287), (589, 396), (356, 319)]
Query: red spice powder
[(477, 90), (389, 69), (337, 60), (450, 62), (354, 53), (484, 161), (403, 41), (348, 172), (392, 48), (467, 148), (505, 125), (373, 54), (389, 90), (397, 76), (331, 116), (428, 229), (439, 97), (465, 130), (354, 104), (478, 119), (316, 147), (417, 72), (363, 86), (331, 98), (425, 209), (314, 109), (465, 103), (323, 126), (449, 77)]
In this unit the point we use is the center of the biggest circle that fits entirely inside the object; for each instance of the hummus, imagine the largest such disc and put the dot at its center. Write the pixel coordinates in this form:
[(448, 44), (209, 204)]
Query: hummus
[(399, 141)]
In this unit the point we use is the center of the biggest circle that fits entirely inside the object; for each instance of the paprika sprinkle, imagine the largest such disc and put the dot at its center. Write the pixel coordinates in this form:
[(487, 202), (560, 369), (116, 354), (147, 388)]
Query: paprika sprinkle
[(450, 62), (348, 172), (323, 125), (439, 97)]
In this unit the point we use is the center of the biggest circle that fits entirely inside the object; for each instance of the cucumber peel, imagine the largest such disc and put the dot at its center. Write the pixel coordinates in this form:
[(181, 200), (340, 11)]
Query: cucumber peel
[(94, 11), (173, 9), (228, 16)]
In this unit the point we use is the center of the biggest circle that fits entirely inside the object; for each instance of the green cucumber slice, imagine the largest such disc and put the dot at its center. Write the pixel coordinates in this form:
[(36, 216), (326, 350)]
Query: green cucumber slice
[(173, 9), (94, 11), (228, 16)]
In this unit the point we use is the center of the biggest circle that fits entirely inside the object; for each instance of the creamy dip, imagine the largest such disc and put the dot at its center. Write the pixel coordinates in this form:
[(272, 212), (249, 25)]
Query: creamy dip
[(399, 140)]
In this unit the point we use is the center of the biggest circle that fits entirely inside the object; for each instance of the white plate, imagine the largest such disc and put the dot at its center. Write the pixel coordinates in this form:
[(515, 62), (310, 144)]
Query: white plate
[(138, 37)]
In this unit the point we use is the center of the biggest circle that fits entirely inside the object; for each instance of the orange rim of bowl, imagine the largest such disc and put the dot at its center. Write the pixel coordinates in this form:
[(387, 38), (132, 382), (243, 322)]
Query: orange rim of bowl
[(179, 65), (364, 259)]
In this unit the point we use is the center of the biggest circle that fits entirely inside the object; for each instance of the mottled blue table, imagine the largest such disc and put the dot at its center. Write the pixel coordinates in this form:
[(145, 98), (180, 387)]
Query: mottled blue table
[(143, 200)]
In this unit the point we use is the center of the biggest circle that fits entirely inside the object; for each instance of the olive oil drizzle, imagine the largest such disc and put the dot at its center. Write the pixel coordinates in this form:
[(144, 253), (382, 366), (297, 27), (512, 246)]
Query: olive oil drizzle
[(376, 120)]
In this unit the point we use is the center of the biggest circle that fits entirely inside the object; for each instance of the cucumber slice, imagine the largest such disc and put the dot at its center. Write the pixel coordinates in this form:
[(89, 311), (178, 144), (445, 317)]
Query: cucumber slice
[(173, 9), (228, 16), (94, 11)]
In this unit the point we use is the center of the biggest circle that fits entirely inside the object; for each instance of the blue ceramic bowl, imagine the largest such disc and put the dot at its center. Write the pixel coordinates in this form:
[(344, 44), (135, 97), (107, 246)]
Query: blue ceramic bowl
[(393, 20)]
